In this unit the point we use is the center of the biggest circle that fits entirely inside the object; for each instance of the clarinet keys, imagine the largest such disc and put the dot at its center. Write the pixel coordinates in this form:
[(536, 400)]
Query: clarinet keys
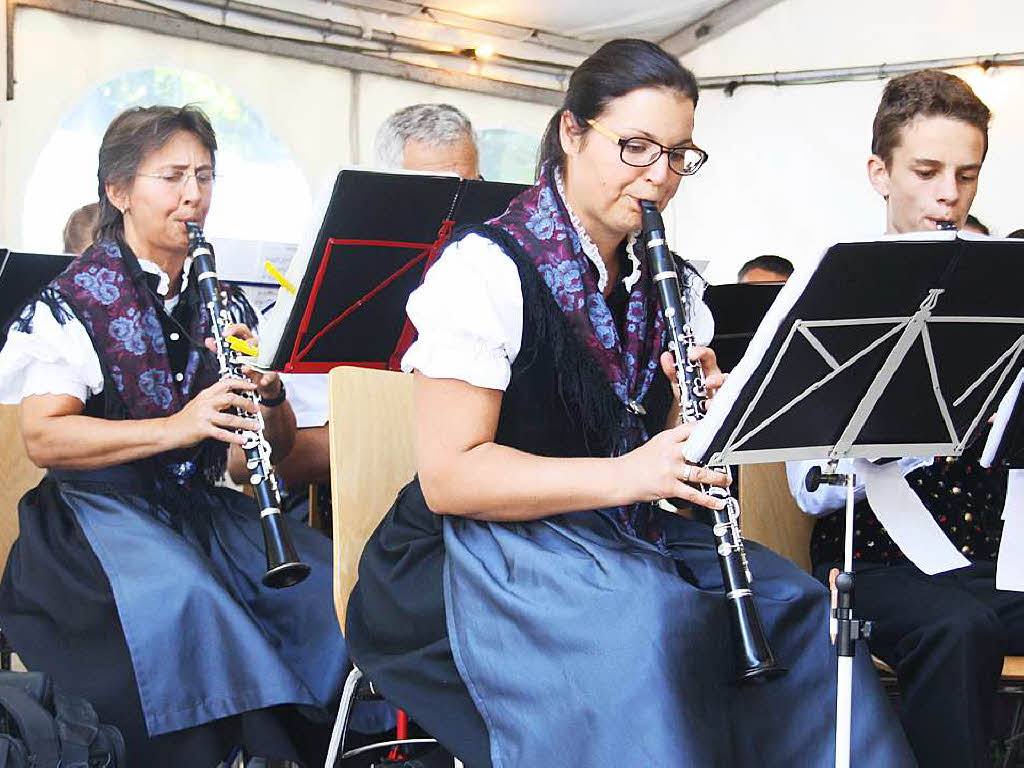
[(754, 660), (284, 569)]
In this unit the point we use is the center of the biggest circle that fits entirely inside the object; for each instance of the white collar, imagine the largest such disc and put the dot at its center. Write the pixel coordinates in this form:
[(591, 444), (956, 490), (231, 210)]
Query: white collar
[(631, 241), (165, 281), (590, 249)]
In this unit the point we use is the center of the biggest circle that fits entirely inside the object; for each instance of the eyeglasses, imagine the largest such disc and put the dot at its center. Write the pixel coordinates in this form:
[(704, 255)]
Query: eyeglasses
[(177, 177), (641, 152)]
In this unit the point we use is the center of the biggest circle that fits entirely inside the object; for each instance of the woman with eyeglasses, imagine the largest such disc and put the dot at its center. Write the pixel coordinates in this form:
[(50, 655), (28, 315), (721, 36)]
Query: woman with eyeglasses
[(525, 600), (135, 581)]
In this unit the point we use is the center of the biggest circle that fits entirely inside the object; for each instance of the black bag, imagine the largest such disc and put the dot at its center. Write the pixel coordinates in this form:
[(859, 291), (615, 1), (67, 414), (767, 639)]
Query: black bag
[(43, 727)]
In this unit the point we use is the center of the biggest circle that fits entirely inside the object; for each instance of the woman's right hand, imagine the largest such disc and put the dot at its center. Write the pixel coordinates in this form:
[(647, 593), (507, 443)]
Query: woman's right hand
[(204, 417), (658, 470)]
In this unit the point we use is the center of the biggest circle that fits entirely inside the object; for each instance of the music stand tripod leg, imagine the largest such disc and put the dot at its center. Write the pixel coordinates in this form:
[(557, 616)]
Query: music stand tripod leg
[(848, 628)]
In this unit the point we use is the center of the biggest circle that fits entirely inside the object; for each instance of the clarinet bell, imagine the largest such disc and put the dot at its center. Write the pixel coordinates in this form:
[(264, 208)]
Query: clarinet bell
[(284, 569), (754, 662)]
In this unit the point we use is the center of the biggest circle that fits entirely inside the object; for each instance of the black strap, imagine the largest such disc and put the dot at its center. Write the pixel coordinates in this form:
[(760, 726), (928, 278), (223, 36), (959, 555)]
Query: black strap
[(38, 685), (77, 725), (35, 725), (12, 753)]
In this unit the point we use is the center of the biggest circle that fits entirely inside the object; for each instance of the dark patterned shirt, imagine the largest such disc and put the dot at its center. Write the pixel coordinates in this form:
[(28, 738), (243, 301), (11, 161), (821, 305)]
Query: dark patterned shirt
[(965, 499)]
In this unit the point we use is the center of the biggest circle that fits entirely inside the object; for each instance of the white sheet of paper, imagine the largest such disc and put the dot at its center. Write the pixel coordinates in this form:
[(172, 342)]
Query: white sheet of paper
[(1010, 569), (905, 518), (1002, 417)]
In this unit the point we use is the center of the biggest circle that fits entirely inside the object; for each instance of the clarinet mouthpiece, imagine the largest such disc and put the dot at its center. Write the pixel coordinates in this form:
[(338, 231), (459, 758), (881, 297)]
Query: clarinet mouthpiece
[(194, 231), (651, 216)]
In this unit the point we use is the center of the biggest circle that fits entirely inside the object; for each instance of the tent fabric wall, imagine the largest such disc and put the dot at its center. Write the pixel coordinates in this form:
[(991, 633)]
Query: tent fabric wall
[(380, 96), (307, 106), (787, 173), (303, 104)]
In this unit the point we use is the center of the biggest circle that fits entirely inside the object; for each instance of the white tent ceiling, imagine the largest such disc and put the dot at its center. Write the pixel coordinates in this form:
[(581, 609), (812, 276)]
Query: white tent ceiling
[(523, 50), (787, 162), (591, 20)]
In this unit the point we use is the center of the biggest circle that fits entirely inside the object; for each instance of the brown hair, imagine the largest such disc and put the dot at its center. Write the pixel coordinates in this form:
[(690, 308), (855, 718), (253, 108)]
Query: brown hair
[(130, 137), (80, 228), (928, 93)]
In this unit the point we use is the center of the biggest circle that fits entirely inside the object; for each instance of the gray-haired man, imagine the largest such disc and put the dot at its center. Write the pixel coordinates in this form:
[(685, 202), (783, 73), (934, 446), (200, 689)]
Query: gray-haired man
[(423, 137), (428, 137)]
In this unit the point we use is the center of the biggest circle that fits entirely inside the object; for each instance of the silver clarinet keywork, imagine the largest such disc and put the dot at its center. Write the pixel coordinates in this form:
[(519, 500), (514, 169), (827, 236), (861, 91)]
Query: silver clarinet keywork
[(284, 569), (755, 661)]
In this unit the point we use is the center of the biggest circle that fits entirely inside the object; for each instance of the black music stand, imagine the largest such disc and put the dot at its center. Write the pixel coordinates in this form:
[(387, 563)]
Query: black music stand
[(738, 309), (889, 348), (378, 235), (22, 275)]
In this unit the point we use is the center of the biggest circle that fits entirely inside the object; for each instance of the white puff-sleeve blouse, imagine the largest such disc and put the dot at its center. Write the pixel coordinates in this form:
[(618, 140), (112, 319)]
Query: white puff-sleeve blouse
[(469, 315), (58, 358), (51, 359)]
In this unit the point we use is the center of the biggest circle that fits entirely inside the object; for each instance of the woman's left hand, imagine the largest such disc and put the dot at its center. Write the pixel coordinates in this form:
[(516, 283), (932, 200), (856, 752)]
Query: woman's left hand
[(268, 383), (713, 376)]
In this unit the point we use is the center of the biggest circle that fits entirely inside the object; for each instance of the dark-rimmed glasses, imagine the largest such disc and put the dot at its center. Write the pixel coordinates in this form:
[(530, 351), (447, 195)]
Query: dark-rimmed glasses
[(640, 152)]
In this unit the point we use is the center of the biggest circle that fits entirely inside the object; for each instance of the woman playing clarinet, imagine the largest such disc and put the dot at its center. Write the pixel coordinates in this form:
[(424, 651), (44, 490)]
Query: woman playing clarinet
[(135, 581), (525, 599)]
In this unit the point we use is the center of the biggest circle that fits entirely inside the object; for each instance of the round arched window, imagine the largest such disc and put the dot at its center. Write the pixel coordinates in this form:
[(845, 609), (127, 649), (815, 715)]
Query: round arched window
[(261, 198), (507, 155)]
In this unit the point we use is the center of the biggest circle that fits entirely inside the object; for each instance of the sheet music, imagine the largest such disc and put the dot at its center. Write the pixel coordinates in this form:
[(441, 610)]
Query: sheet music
[(1010, 569), (273, 323), (725, 398), (742, 427), (1002, 418), (737, 414)]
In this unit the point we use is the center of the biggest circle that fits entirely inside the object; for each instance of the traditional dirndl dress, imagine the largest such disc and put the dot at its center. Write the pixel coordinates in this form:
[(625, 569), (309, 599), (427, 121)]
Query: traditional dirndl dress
[(154, 612), (591, 638), (138, 586)]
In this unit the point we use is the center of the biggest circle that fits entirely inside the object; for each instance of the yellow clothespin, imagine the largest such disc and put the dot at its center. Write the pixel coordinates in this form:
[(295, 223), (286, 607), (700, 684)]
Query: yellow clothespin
[(243, 346), (275, 273)]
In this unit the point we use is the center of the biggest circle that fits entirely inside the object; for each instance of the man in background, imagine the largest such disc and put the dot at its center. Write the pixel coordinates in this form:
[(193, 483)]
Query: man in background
[(423, 137), (973, 224), (765, 269), (428, 137)]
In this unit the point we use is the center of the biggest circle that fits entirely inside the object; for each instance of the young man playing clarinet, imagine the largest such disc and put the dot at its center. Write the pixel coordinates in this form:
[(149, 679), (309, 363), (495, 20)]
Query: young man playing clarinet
[(944, 635)]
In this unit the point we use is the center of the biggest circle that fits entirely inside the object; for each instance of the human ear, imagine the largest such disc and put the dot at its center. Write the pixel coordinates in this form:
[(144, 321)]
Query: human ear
[(117, 194), (878, 175), (570, 133)]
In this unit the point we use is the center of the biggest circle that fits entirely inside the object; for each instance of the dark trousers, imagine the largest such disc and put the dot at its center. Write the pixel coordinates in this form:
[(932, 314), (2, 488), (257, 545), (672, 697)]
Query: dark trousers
[(945, 635)]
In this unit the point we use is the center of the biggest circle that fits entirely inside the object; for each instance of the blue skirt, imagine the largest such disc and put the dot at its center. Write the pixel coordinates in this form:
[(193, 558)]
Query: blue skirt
[(578, 645), (152, 608)]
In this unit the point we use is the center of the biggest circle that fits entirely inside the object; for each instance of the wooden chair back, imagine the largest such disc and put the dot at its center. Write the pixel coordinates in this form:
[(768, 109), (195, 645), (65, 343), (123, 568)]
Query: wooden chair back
[(17, 475), (371, 460), (770, 515)]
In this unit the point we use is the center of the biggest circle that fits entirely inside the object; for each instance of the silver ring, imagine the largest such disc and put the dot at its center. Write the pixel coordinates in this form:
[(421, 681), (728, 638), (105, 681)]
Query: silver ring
[(686, 473)]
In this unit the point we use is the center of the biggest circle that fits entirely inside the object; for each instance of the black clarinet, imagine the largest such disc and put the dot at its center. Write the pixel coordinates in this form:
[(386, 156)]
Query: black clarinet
[(284, 569), (754, 659)]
